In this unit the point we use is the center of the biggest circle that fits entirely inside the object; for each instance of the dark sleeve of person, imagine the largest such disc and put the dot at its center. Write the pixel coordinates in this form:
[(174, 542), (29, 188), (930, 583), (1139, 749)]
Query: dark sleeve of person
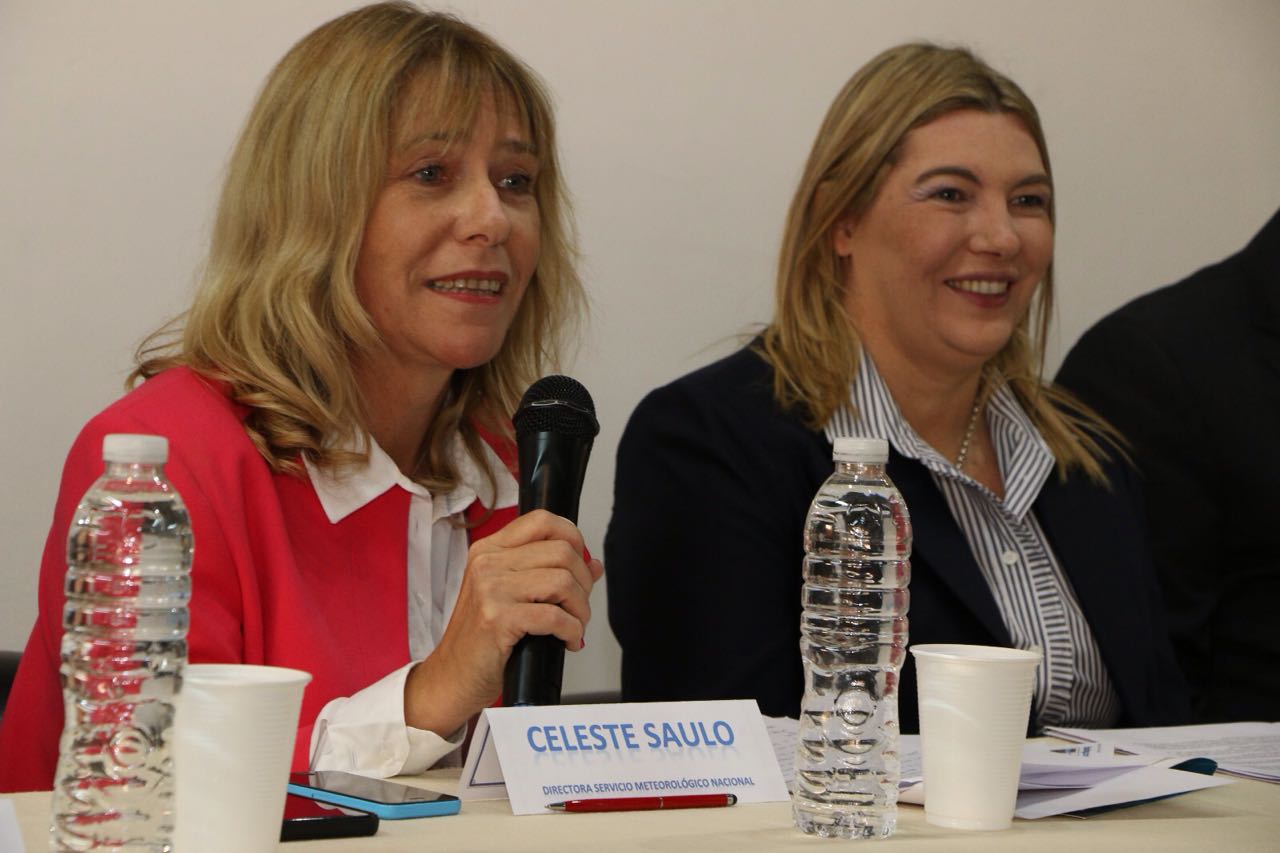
[(1133, 382), (1158, 693), (703, 553)]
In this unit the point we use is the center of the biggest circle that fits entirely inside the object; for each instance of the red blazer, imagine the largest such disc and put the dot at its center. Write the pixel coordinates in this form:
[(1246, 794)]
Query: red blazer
[(273, 581)]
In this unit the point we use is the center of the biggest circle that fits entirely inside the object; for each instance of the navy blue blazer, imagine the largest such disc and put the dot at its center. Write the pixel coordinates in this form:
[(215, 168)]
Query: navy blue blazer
[(703, 555), (1190, 373)]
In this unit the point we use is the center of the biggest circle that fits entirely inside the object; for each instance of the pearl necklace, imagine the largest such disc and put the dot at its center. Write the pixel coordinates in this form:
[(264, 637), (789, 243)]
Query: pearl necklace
[(963, 455)]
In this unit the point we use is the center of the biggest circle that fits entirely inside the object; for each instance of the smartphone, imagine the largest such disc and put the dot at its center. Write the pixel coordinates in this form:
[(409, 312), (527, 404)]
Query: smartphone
[(387, 800), (306, 819)]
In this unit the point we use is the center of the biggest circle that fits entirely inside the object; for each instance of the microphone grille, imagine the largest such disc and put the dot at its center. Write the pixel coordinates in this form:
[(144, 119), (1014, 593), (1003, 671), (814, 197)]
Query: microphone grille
[(556, 404)]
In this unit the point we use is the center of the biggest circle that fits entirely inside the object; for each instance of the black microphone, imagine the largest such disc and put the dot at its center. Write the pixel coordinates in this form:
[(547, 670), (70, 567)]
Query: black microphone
[(555, 426)]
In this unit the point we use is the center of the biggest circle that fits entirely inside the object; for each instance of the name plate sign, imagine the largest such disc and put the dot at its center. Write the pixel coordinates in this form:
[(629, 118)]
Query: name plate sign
[(537, 755)]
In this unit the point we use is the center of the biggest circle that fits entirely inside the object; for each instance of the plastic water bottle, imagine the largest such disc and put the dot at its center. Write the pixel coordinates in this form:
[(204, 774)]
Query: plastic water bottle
[(123, 652), (857, 542)]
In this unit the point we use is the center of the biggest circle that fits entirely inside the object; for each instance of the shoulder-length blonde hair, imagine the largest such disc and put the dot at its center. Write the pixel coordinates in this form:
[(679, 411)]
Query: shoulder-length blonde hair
[(811, 343), (276, 317)]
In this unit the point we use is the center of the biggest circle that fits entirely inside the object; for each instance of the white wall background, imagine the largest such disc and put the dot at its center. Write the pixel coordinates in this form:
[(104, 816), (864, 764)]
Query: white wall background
[(684, 127)]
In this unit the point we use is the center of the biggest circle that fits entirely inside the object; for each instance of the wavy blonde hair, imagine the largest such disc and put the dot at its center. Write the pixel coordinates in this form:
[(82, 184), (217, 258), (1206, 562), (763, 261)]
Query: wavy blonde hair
[(276, 317), (811, 344)]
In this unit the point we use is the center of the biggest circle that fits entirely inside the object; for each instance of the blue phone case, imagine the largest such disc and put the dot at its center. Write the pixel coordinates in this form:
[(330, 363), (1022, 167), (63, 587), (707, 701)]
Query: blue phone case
[(444, 805)]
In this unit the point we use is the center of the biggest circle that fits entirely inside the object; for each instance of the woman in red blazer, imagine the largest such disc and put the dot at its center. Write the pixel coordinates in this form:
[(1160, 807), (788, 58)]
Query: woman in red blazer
[(389, 268)]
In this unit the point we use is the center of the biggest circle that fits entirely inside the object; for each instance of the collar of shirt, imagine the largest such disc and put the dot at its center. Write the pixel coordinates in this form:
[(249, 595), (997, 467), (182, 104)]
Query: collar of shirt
[(344, 491), (1025, 460)]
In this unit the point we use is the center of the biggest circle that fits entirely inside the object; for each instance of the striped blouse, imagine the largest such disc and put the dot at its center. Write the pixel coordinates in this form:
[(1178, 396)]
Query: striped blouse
[(1035, 599)]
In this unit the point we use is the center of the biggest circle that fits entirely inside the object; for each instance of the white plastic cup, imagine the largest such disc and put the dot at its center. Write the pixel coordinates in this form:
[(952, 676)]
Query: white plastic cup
[(235, 729), (974, 702)]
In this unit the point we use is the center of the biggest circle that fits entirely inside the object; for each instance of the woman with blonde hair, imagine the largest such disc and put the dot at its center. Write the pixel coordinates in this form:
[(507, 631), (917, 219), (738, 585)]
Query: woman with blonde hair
[(913, 296), (391, 264)]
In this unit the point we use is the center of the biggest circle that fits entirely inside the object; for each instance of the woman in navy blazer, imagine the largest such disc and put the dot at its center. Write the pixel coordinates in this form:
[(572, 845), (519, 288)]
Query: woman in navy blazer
[(914, 289)]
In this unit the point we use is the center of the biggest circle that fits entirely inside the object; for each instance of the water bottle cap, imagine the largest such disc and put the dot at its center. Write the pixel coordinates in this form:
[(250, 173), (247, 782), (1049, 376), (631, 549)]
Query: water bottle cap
[(123, 447), (860, 450)]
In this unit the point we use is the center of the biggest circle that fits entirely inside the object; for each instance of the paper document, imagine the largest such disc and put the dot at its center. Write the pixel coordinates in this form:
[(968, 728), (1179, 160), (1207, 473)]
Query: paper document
[(1131, 786), (1061, 778), (10, 836), (1055, 779), (1242, 749), (1062, 766), (1044, 765), (784, 734)]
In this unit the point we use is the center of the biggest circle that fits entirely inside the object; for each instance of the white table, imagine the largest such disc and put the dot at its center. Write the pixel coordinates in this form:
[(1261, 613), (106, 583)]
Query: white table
[(1234, 818)]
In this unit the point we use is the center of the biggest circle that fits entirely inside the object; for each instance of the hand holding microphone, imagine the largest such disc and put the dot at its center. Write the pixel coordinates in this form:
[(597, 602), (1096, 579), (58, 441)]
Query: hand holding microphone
[(526, 591), (555, 427)]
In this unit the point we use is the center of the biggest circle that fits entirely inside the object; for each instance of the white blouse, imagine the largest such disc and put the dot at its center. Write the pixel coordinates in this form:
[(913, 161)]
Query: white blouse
[(366, 733), (1034, 596)]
